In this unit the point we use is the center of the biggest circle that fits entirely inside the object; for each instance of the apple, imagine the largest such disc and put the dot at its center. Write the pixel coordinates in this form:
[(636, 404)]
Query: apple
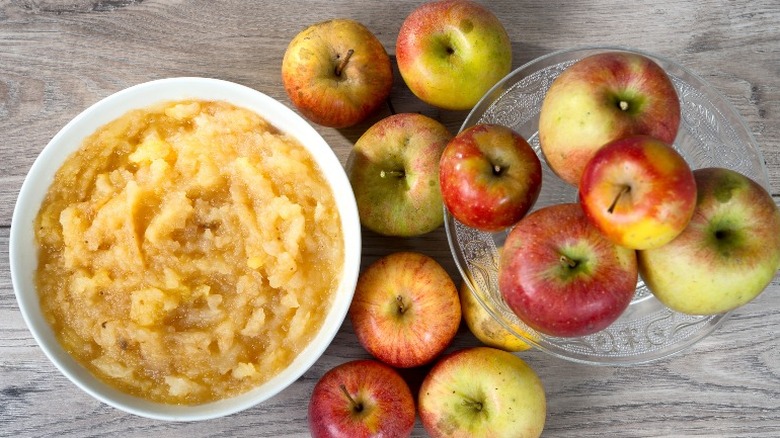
[(394, 172), (728, 253), (561, 276), (489, 177), (601, 98), (482, 392), (638, 191), (405, 310), (361, 398), (483, 326), (336, 73), (451, 52)]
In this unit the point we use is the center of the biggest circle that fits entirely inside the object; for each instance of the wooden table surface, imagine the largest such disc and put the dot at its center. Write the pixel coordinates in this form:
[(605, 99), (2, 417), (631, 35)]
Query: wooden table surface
[(57, 57)]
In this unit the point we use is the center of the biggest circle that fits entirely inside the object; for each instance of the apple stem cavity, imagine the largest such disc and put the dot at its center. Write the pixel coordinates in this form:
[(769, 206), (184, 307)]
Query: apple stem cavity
[(343, 64), (474, 405), (357, 407), (623, 191)]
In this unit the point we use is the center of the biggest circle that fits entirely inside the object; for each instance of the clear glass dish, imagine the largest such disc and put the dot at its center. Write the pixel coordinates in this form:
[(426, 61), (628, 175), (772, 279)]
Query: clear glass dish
[(711, 134)]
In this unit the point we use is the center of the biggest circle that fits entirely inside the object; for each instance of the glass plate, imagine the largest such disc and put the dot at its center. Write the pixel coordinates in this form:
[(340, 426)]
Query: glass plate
[(711, 134)]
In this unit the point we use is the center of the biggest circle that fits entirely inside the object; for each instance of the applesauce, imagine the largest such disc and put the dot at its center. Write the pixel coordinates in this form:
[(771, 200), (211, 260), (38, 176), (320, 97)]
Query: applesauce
[(188, 251)]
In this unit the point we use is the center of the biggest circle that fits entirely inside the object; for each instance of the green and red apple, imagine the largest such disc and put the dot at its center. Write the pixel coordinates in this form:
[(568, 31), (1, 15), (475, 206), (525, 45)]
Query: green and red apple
[(451, 52), (561, 276), (361, 398), (482, 392), (728, 253), (490, 177), (602, 98), (336, 73), (394, 172), (405, 310), (638, 191)]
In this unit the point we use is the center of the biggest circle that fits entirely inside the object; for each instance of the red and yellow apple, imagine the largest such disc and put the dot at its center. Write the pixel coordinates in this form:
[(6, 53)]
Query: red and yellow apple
[(561, 276), (451, 52), (361, 398), (336, 73), (489, 177), (728, 253), (602, 98), (394, 172), (482, 392), (405, 310), (638, 191)]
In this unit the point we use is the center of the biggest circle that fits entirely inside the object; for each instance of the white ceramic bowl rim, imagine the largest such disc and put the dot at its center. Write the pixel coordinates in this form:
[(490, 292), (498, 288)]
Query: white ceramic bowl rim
[(23, 256)]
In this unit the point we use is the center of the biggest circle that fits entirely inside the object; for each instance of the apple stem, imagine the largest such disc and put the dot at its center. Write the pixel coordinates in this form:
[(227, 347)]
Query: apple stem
[(358, 407), (389, 173), (401, 307), (497, 169), (343, 64), (568, 261), (623, 105), (622, 192)]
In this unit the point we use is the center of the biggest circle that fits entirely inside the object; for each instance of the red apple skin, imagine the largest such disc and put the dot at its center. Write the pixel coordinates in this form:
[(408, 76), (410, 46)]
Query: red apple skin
[(321, 89), (451, 52), (581, 111), (406, 309), (490, 177), (380, 403), (561, 276), (639, 192)]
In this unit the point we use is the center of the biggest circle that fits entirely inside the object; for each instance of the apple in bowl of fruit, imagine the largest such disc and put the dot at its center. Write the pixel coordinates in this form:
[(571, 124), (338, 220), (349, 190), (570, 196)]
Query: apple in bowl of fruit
[(710, 134)]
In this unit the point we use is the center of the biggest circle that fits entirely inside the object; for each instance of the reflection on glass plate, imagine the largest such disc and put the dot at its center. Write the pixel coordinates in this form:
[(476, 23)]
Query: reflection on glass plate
[(711, 134)]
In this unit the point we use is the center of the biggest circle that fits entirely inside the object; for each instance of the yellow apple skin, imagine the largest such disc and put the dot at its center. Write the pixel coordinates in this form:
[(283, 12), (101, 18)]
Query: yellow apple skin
[(451, 52), (482, 392), (484, 327), (728, 253)]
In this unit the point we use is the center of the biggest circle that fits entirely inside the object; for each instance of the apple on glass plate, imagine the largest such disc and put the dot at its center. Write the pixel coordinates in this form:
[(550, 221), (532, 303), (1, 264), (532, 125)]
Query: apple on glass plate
[(638, 191), (728, 253), (490, 177), (561, 276), (602, 98)]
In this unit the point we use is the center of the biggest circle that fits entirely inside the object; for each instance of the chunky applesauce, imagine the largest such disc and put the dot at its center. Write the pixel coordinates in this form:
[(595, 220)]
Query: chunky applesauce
[(188, 251)]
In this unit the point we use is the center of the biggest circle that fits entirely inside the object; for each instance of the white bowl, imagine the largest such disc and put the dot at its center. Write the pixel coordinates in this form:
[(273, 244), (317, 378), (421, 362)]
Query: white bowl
[(23, 253)]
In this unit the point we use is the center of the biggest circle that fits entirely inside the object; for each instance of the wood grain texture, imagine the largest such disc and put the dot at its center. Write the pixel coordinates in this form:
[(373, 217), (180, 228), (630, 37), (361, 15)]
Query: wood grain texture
[(57, 57)]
